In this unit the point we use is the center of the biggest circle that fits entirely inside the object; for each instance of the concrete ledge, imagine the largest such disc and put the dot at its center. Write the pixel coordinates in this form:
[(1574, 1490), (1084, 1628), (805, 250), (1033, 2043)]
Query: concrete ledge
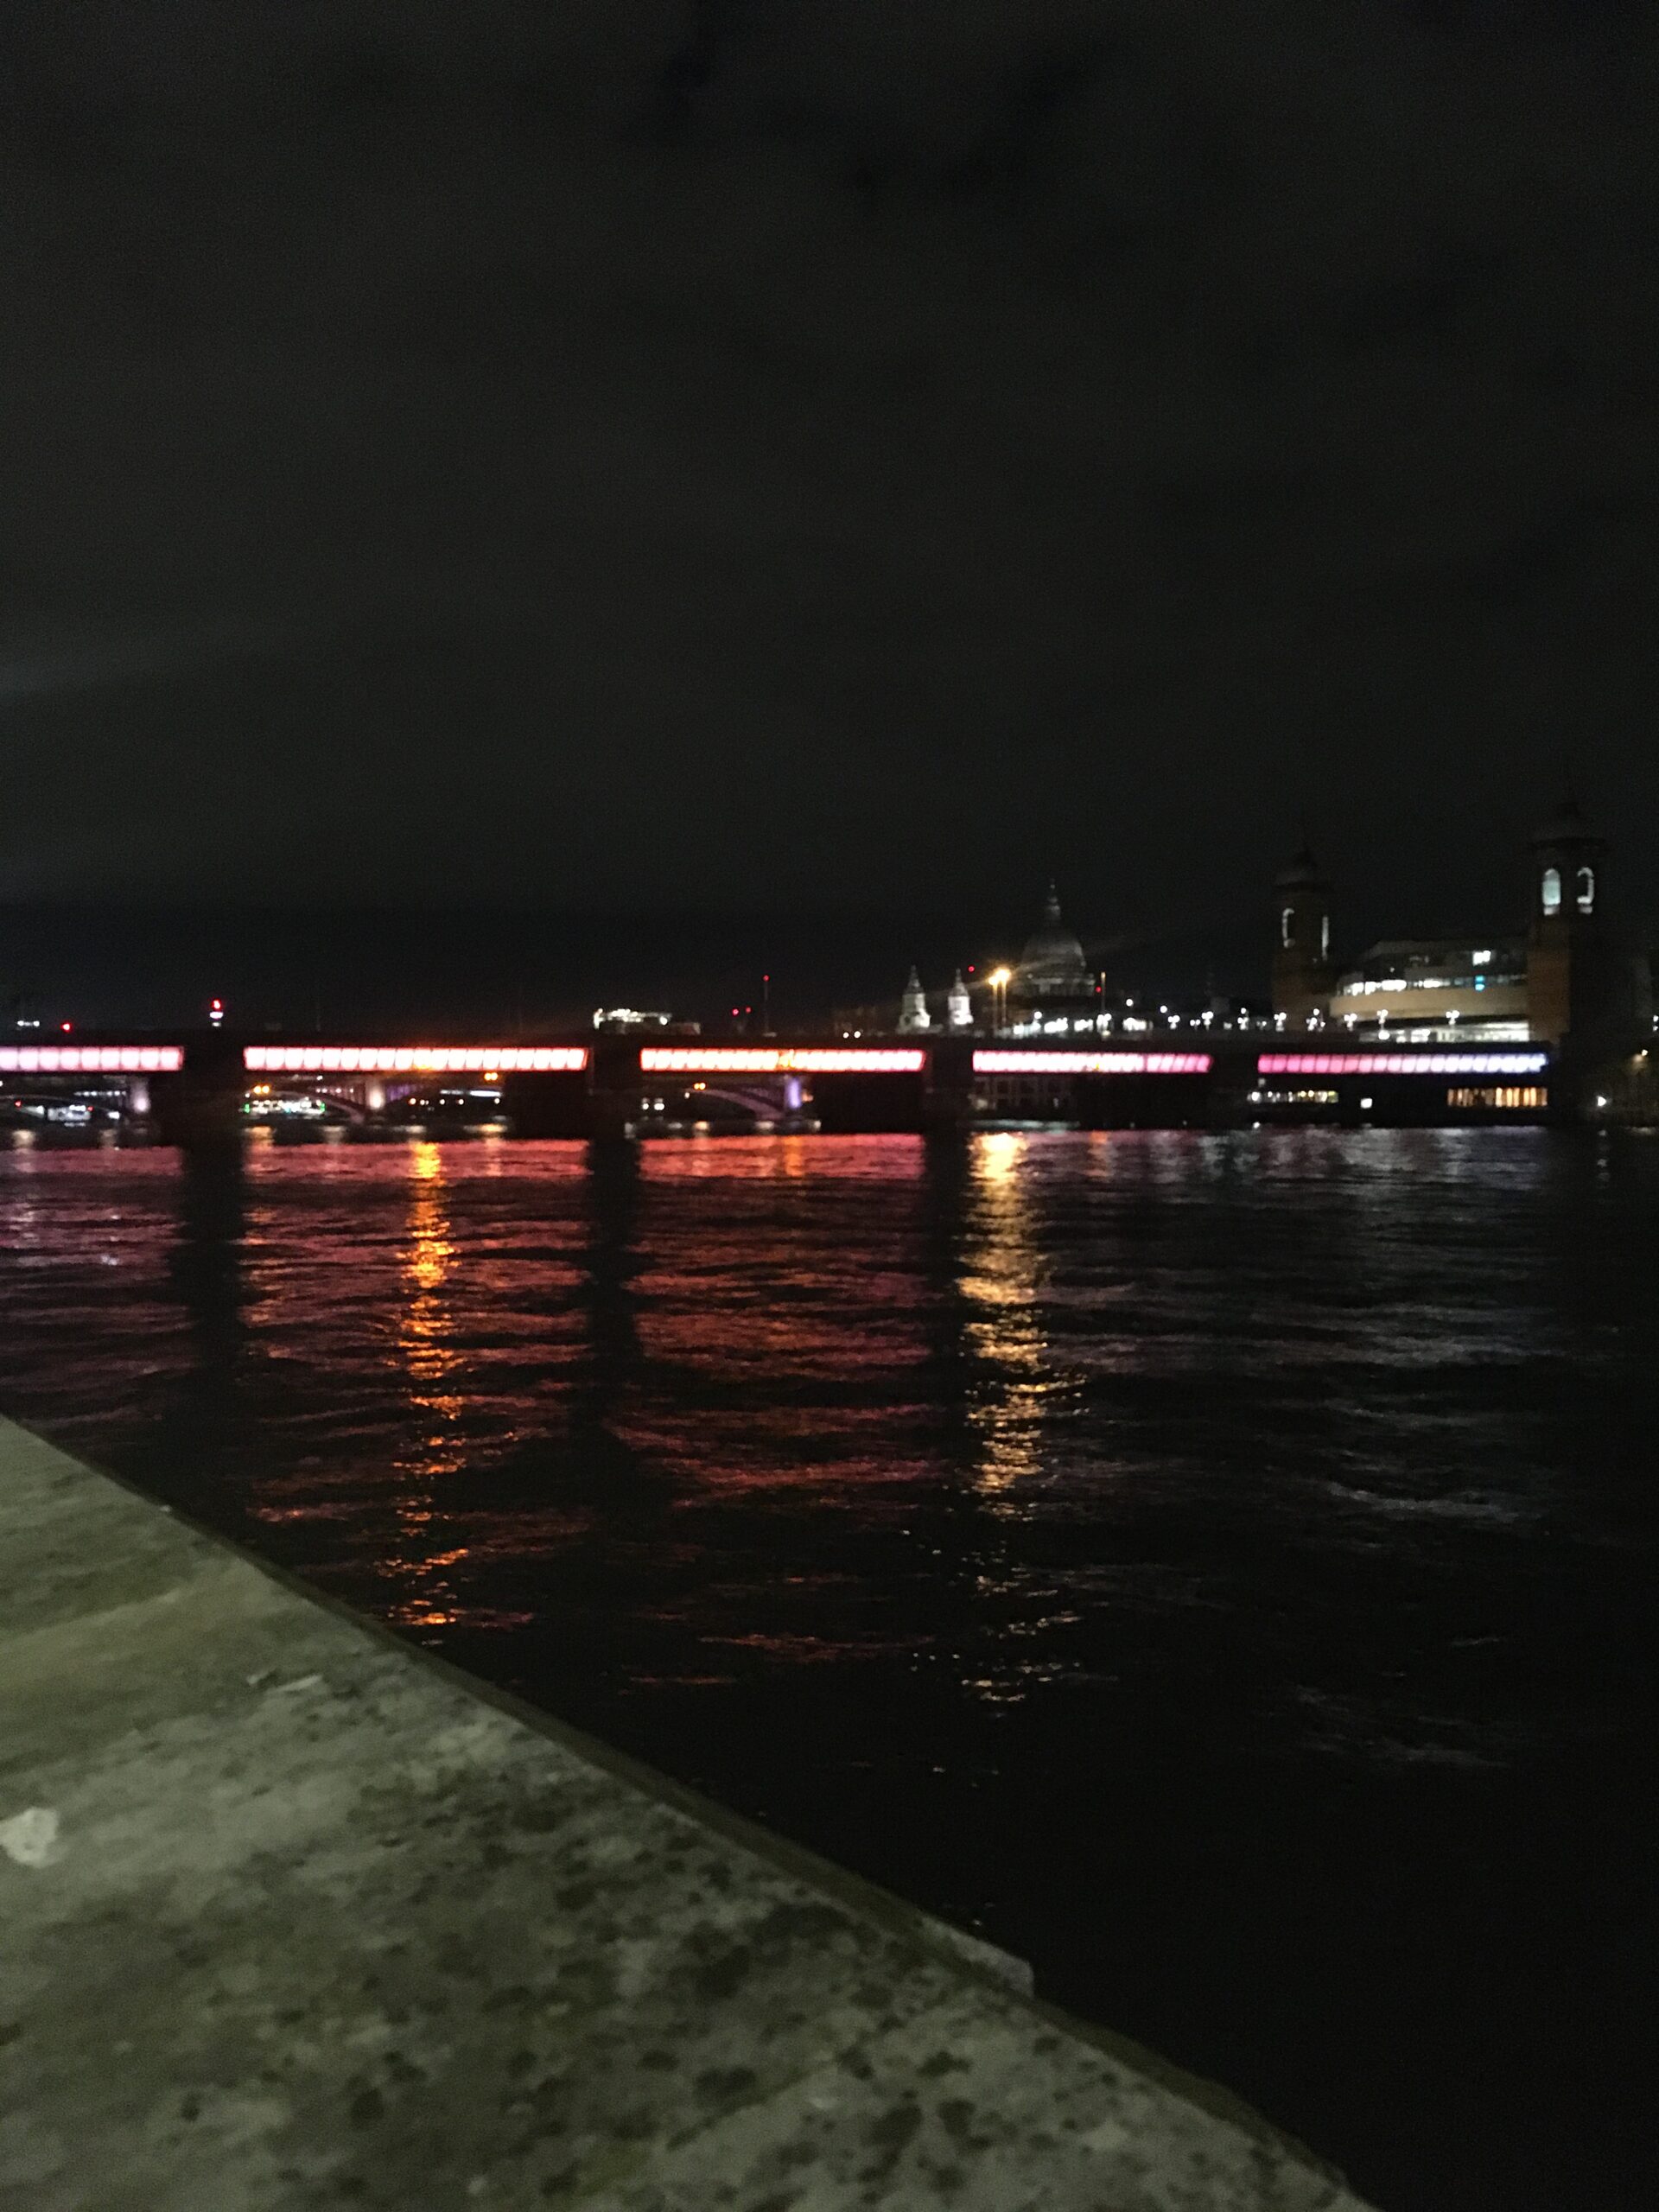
[(295, 1916)]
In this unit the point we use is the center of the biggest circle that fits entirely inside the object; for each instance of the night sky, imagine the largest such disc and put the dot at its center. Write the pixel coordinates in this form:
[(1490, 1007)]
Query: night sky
[(800, 455)]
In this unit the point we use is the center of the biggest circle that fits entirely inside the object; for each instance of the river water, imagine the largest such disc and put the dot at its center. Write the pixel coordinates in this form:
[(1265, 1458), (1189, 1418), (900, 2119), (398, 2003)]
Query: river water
[(1217, 1567)]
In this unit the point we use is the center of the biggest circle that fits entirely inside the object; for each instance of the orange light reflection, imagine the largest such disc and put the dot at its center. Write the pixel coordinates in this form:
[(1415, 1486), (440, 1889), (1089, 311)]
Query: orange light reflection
[(1000, 1280), (424, 1329)]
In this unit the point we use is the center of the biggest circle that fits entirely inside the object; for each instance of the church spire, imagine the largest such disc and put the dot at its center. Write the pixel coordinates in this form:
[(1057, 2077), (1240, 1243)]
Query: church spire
[(913, 1007)]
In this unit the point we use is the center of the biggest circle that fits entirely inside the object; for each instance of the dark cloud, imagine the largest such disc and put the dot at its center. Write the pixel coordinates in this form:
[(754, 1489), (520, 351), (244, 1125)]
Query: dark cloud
[(754, 452)]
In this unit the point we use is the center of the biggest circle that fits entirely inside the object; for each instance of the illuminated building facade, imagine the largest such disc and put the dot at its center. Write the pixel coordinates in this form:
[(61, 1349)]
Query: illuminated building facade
[(622, 1020), (1436, 990), (1567, 980)]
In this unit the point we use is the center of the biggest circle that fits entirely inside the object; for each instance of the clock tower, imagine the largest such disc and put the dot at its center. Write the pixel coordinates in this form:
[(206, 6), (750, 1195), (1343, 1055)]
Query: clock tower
[(1573, 970), (1302, 973)]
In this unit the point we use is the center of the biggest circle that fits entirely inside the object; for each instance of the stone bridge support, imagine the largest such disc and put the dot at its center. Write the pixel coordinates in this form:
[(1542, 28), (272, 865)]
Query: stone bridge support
[(201, 1104)]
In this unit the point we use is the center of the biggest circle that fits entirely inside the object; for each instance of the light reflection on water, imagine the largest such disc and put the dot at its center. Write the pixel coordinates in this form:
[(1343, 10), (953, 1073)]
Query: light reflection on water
[(1215, 1565), (1000, 1282), (429, 1358)]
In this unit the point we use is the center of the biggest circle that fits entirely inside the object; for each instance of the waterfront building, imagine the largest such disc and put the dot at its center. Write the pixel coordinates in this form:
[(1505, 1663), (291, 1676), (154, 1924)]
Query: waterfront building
[(1436, 990), (1568, 978), (958, 1007)]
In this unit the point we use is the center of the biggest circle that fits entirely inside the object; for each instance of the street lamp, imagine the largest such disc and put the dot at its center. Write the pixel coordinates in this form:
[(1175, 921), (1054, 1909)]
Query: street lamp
[(999, 979)]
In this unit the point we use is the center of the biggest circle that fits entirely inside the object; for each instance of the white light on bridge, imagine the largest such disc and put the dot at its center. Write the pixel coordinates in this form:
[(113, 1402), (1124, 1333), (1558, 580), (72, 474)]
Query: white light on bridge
[(415, 1060), (91, 1059), (999, 1063), (1403, 1062), (811, 1059)]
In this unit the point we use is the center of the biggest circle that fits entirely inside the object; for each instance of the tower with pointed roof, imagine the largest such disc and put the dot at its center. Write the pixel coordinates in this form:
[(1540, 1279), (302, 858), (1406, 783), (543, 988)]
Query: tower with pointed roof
[(914, 1016), (958, 1007)]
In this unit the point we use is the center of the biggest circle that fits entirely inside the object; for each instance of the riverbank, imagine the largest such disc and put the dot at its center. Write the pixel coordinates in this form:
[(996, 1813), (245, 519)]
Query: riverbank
[(297, 1917)]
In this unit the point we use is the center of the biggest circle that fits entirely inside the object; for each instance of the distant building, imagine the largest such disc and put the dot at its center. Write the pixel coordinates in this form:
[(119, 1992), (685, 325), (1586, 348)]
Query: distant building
[(958, 1007), (1568, 979), (1437, 989), (914, 1016), (1054, 991), (620, 1020)]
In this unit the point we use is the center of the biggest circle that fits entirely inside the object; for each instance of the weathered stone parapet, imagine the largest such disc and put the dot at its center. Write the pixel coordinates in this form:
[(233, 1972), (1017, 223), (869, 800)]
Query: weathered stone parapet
[(297, 1917)]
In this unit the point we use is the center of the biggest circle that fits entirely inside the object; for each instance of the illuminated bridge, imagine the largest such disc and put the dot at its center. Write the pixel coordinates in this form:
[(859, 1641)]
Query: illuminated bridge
[(208, 1083)]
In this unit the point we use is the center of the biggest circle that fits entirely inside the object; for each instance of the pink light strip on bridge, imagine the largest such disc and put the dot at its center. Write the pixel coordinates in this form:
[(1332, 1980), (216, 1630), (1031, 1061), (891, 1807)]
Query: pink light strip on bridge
[(1403, 1062), (91, 1059), (1001, 1063), (414, 1059), (812, 1059)]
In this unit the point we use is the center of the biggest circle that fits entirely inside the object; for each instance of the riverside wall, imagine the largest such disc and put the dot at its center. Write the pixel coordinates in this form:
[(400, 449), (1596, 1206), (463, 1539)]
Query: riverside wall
[(292, 1915)]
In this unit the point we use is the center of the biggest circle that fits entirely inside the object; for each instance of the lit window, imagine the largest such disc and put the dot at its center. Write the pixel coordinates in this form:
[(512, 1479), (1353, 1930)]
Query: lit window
[(1288, 926), (1509, 1098), (1551, 889), (1586, 890)]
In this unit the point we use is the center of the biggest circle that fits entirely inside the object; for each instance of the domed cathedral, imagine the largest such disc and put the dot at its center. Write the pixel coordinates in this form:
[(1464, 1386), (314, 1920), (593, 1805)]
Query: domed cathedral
[(1052, 980), (1303, 978), (1583, 987)]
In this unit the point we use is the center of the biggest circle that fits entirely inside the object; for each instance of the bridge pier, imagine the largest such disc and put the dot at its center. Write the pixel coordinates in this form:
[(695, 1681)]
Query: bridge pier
[(600, 1100), (201, 1104), (948, 1098), (548, 1105), (615, 1086)]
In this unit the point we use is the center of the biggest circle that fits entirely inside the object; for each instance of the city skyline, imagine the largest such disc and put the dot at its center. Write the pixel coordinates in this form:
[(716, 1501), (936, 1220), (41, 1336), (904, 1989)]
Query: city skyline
[(527, 971), (315, 968)]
